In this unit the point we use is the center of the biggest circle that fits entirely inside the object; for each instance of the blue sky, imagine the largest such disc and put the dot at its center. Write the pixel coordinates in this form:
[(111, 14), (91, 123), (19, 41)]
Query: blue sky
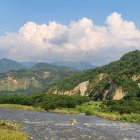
[(96, 31), (14, 13)]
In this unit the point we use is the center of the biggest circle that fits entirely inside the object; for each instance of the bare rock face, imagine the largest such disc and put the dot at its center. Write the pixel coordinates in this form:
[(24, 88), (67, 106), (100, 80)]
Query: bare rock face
[(112, 81), (45, 74), (135, 78), (15, 80), (101, 76), (80, 88), (118, 94), (12, 83), (114, 92)]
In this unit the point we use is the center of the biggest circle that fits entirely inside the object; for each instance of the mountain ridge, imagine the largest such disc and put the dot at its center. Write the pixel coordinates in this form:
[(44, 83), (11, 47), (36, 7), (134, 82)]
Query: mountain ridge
[(117, 80), (33, 79), (79, 65), (7, 65)]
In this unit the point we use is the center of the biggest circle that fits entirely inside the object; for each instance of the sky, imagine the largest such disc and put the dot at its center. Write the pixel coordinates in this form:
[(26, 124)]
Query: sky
[(96, 31)]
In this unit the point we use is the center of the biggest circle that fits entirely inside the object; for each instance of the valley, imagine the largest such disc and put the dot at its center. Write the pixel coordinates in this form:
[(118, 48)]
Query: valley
[(110, 92), (69, 70)]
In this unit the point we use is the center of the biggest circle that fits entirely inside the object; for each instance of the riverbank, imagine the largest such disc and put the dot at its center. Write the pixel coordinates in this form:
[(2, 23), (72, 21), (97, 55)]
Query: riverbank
[(89, 108), (45, 125), (95, 108), (10, 130), (23, 107)]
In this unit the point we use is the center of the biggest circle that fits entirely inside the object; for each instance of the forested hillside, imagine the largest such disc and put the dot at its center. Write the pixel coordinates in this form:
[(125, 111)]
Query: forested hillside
[(117, 80)]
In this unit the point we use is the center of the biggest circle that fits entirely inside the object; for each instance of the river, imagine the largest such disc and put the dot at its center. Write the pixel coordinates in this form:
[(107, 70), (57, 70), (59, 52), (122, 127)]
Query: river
[(55, 126)]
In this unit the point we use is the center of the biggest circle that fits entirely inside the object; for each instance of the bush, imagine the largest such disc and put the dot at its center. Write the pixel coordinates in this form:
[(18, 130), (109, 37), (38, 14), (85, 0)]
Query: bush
[(122, 106), (45, 101)]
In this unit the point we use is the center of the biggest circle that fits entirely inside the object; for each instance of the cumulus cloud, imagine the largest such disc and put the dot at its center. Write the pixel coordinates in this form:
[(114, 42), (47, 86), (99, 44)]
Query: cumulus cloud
[(81, 40)]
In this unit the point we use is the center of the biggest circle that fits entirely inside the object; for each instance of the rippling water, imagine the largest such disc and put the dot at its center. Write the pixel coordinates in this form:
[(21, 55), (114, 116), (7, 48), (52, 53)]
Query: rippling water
[(47, 126)]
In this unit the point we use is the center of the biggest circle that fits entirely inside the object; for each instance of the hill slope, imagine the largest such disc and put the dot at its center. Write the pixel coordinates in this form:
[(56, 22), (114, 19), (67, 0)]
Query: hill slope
[(51, 67), (34, 79), (76, 65), (7, 64), (116, 80)]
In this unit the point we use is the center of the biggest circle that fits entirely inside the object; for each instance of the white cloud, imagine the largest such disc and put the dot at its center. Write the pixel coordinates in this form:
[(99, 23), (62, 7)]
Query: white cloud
[(81, 40)]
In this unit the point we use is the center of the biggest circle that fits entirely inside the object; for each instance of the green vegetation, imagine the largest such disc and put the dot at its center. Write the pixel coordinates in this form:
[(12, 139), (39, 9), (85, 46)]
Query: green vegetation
[(23, 107), (35, 79), (122, 106), (113, 110), (45, 101), (105, 80), (102, 109), (10, 130), (122, 71), (124, 110), (123, 74), (71, 82)]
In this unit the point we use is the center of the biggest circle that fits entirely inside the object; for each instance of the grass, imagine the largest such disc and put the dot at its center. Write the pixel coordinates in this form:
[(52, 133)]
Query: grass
[(89, 108), (94, 108), (10, 130), (65, 111), (23, 107)]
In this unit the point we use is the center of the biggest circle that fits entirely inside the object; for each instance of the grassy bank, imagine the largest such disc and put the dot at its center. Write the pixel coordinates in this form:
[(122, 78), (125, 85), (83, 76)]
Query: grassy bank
[(95, 108), (11, 131), (89, 108), (124, 110), (23, 107)]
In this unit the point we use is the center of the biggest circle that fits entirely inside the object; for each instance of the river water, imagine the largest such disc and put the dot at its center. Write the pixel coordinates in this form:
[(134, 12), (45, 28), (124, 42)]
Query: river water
[(55, 126)]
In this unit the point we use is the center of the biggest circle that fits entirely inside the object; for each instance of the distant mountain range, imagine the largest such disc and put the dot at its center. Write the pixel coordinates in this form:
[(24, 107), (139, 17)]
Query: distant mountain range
[(77, 65), (28, 64), (7, 64), (117, 80), (28, 80), (29, 77)]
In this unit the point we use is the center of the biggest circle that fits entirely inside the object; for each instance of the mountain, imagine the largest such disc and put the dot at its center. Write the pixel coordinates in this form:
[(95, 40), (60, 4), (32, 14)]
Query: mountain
[(117, 80), (77, 65), (28, 64), (34, 79), (51, 67), (7, 65)]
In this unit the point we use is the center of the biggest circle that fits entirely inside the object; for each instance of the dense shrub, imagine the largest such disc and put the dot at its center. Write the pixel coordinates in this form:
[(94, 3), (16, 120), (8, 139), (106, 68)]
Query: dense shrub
[(116, 74), (46, 101), (122, 106)]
